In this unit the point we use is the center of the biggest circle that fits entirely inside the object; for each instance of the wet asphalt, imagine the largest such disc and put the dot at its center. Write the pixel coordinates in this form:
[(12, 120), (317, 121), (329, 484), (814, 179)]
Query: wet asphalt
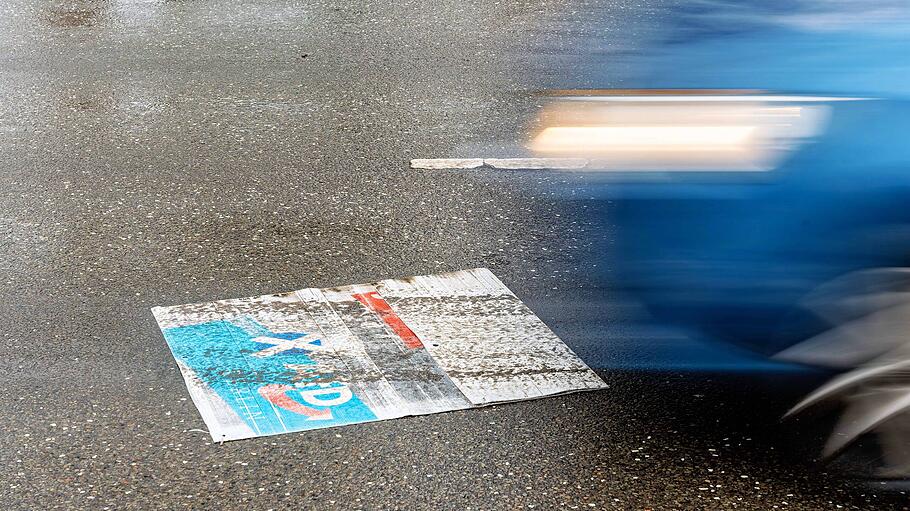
[(165, 152)]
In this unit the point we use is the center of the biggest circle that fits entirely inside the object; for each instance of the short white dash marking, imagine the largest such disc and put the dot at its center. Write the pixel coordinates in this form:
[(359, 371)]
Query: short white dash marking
[(447, 163)]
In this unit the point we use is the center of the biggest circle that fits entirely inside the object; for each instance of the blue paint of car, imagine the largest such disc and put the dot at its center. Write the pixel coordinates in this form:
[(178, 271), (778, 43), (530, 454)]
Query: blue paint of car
[(732, 258)]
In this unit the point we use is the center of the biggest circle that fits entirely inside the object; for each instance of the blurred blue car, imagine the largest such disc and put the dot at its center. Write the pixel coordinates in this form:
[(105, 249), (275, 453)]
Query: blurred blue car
[(732, 257), (806, 258)]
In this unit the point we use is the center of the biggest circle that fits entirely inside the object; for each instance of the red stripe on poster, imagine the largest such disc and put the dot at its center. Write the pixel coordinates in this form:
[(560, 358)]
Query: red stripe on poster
[(377, 304), (277, 395)]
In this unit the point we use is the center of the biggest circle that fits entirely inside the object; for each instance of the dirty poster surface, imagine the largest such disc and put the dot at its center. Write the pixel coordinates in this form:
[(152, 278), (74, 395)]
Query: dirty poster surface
[(317, 358)]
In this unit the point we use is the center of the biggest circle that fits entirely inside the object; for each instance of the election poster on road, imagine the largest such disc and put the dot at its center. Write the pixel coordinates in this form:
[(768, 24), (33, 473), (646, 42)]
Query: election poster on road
[(317, 358)]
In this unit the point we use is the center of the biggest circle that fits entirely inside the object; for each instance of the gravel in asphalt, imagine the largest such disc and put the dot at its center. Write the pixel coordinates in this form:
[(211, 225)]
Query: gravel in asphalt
[(157, 153)]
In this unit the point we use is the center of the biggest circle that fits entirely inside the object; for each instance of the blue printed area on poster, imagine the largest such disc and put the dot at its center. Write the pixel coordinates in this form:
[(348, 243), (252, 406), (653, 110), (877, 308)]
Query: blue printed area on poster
[(267, 378)]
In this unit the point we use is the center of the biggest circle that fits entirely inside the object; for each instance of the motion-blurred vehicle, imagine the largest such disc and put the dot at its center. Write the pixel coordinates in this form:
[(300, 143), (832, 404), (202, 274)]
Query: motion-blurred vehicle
[(771, 211), (775, 221)]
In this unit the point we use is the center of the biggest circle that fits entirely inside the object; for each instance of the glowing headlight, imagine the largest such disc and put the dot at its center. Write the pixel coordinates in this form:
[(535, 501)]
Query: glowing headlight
[(679, 130)]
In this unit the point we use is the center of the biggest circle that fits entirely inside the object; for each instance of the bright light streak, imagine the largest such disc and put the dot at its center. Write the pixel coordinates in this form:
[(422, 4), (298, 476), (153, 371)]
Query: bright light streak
[(608, 139), (686, 132), (713, 99)]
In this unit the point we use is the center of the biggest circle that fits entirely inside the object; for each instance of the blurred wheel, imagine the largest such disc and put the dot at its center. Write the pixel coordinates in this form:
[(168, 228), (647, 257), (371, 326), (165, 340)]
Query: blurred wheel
[(870, 337)]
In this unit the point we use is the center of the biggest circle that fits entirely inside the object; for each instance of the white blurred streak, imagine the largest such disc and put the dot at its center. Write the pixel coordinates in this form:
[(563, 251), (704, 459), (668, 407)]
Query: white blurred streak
[(860, 293), (867, 411), (666, 132), (870, 314), (856, 342), (831, 15), (607, 139), (846, 382), (810, 15)]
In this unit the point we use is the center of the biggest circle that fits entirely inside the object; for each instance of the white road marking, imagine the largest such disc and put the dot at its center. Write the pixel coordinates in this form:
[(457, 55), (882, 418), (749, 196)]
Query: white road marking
[(447, 163), (500, 163), (536, 163)]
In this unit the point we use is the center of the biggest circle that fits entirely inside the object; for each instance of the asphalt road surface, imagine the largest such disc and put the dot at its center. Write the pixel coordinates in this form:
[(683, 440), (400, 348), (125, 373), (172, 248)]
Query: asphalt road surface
[(165, 152)]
